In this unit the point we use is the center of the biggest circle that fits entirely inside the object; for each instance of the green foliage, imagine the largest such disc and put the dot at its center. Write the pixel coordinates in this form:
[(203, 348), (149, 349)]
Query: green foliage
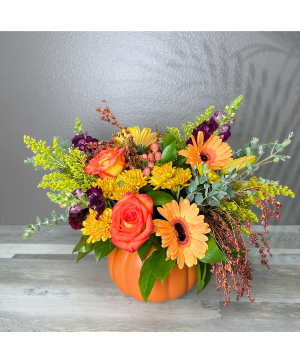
[(160, 267), (78, 126), (144, 249), (180, 142), (81, 243), (189, 127), (168, 139), (146, 280), (205, 116), (31, 228), (69, 173), (159, 197), (103, 249), (81, 255), (66, 198), (169, 153), (230, 111), (156, 266), (213, 253), (203, 275), (205, 193)]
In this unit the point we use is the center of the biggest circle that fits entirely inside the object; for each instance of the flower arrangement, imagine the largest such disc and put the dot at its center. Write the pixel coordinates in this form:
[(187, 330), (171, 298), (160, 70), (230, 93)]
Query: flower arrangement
[(174, 199)]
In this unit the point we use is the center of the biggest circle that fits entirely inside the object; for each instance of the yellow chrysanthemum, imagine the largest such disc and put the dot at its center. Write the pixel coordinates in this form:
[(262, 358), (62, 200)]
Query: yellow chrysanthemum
[(133, 177), (212, 175), (108, 185), (180, 177), (97, 229), (119, 191), (143, 138), (183, 232), (160, 175), (166, 176)]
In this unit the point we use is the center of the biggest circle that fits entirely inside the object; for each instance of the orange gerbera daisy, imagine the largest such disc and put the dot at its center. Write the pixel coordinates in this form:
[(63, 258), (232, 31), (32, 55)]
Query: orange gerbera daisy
[(214, 152), (183, 232)]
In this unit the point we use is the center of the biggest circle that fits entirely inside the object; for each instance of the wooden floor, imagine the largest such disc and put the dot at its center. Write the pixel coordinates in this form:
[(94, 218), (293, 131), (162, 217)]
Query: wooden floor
[(43, 289)]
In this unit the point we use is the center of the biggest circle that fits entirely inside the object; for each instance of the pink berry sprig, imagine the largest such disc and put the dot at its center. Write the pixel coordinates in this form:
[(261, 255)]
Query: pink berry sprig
[(153, 155)]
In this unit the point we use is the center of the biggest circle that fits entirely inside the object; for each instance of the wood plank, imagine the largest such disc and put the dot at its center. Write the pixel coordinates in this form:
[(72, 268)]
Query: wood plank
[(44, 289), (12, 249)]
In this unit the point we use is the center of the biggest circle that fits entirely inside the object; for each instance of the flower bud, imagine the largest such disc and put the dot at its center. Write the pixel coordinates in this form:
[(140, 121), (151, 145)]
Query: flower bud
[(239, 164), (150, 157), (154, 147), (151, 164), (157, 156), (217, 115), (146, 171), (224, 128)]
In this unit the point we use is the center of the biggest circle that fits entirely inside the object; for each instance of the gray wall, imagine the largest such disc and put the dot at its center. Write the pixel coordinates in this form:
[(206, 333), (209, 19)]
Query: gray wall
[(47, 79)]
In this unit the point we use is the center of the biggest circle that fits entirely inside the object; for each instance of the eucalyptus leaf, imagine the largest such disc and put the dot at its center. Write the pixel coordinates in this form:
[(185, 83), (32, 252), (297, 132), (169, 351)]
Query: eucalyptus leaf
[(216, 184), (198, 199)]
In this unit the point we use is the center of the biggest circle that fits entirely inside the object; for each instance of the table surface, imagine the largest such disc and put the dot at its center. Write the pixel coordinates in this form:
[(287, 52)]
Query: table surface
[(42, 288)]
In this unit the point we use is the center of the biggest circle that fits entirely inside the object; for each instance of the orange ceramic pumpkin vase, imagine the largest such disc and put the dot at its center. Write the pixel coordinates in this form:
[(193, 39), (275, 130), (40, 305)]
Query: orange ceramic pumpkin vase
[(124, 269)]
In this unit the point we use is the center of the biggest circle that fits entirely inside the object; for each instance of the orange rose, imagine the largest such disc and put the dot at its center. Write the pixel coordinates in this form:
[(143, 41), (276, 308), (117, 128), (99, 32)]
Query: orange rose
[(131, 221), (108, 163)]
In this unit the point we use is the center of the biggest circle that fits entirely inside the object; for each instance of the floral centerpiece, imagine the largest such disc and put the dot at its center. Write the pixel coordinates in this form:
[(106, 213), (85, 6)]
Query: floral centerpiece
[(168, 208)]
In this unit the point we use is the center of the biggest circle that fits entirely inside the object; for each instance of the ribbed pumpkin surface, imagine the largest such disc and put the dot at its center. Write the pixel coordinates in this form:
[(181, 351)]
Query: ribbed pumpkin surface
[(124, 269)]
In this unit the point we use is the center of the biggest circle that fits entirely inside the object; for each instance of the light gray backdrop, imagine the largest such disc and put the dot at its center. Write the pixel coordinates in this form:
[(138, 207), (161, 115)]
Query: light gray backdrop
[(47, 79)]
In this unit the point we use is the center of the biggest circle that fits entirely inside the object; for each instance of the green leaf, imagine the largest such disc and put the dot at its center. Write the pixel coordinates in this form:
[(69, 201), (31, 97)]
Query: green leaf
[(144, 249), (203, 275), (78, 126), (168, 139), (81, 243), (180, 162), (145, 189), (216, 184), (86, 248), (81, 255), (103, 249), (198, 199), (173, 156), (160, 267), (213, 254), (155, 240), (53, 213), (168, 152), (159, 197), (146, 280)]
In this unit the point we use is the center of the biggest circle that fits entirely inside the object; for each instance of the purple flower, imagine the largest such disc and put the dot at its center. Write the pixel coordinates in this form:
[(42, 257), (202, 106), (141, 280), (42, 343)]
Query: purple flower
[(96, 200), (224, 132), (224, 129), (217, 115), (78, 193), (76, 216), (79, 141), (225, 136), (207, 127)]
